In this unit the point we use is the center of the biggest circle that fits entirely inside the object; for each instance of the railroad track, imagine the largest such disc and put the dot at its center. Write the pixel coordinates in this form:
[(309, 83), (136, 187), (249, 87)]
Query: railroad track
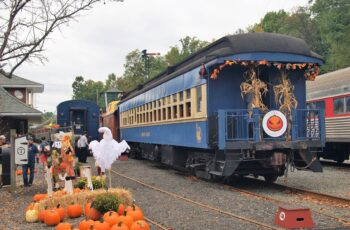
[(204, 206), (345, 166), (319, 196)]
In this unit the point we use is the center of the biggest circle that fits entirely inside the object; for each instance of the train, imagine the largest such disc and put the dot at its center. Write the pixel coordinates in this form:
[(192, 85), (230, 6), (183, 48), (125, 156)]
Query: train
[(331, 92), (81, 116), (235, 107)]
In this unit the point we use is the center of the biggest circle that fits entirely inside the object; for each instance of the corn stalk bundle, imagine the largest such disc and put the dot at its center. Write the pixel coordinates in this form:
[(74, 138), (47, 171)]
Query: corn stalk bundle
[(84, 197), (256, 88), (285, 98)]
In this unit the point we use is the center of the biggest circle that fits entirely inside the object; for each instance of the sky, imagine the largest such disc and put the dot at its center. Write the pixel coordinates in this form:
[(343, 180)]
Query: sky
[(96, 44)]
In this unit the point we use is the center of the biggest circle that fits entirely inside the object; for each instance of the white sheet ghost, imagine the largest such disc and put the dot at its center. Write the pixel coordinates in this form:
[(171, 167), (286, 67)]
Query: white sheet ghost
[(107, 150)]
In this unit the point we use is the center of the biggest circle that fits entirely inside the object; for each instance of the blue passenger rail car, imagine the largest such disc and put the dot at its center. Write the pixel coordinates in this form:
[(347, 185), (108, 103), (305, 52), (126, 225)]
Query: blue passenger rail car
[(238, 106), (81, 115)]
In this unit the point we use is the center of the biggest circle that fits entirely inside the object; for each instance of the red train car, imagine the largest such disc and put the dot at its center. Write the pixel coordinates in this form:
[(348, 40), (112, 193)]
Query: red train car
[(110, 120), (331, 92)]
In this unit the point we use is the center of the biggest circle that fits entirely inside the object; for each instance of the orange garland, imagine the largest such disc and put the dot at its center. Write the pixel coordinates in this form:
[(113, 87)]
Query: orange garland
[(312, 70)]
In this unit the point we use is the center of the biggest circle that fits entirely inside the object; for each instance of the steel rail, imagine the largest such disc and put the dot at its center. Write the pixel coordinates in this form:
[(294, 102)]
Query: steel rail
[(232, 215)]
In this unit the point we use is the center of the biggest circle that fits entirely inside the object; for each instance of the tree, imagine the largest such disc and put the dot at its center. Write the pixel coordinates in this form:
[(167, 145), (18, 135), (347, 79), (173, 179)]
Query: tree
[(111, 82), (88, 90), (26, 24), (189, 45), (333, 19)]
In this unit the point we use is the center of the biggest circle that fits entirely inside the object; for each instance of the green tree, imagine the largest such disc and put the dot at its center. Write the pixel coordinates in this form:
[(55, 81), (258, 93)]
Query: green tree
[(333, 19), (88, 90), (111, 82)]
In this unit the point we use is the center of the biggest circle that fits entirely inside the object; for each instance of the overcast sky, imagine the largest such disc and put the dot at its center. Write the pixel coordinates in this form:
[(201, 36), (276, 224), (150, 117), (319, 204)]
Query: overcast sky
[(96, 44)]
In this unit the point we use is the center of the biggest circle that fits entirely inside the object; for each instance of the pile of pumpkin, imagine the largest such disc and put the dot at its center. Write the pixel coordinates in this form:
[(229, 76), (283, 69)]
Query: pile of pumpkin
[(106, 212)]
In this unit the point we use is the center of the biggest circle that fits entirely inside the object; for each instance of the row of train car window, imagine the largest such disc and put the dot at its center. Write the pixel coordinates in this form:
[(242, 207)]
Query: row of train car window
[(174, 107), (341, 105)]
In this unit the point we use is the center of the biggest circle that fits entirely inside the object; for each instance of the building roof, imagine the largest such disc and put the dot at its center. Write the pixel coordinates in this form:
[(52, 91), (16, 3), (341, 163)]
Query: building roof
[(329, 84), (11, 106), (19, 82)]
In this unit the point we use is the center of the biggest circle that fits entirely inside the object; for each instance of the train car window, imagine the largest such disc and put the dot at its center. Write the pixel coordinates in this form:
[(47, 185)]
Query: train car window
[(168, 99), (150, 116), (188, 109), (347, 104), (181, 111), (169, 113), (188, 93), (159, 115), (154, 104), (175, 112), (199, 98), (175, 98), (163, 101), (338, 106), (159, 103), (181, 96), (164, 114)]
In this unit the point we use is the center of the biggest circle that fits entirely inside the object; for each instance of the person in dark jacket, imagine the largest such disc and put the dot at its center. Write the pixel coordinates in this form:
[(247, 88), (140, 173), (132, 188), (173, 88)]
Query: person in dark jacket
[(32, 151)]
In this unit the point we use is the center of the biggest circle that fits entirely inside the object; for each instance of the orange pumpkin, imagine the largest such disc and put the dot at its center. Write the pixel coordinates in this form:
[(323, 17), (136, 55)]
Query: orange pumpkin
[(136, 214), (30, 206), (76, 190), (140, 225), (42, 214), (120, 226), (61, 212), (74, 210), (39, 197), (63, 165), (132, 207), (112, 218), (126, 219), (52, 218), (86, 224), (101, 225), (274, 123), (63, 226), (121, 209)]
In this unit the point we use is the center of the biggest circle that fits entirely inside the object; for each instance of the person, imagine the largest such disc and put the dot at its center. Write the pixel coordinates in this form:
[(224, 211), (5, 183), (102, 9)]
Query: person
[(83, 148), (32, 151), (44, 150), (2, 144)]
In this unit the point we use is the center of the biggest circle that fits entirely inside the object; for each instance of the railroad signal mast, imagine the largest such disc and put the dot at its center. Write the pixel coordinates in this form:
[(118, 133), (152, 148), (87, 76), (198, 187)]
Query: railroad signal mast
[(145, 57)]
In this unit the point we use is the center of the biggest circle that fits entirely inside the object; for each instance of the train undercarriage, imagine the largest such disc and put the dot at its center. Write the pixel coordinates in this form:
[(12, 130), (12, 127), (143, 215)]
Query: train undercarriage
[(215, 164)]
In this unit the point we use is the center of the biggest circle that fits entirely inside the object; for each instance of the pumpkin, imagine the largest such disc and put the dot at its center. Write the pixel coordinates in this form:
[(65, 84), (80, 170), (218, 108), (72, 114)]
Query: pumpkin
[(39, 197), (274, 123), (112, 218), (140, 225), (63, 165), (126, 219), (61, 212), (120, 226), (132, 207), (86, 224), (63, 226), (42, 214), (76, 190), (136, 214), (32, 215), (121, 209), (52, 218), (19, 172), (101, 225), (74, 210), (92, 213), (33, 205)]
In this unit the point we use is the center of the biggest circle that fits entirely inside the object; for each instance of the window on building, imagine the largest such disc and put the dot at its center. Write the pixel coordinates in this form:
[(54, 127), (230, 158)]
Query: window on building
[(338, 106), (199, 98)]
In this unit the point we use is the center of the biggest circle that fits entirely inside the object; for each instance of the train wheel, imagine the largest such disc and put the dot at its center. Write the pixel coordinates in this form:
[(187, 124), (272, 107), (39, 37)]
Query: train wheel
[(270, 178)]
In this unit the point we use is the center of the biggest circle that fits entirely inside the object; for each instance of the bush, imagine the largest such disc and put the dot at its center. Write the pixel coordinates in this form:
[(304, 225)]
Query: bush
[(106, 202), (97, 183)]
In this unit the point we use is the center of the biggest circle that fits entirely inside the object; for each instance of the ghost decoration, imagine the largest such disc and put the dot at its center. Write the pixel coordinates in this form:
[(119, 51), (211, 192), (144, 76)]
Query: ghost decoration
[(68, 184), (107, 150)]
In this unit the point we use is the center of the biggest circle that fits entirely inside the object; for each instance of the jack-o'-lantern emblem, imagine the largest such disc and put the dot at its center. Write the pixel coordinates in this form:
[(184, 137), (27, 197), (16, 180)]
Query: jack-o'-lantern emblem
[(274, 123)]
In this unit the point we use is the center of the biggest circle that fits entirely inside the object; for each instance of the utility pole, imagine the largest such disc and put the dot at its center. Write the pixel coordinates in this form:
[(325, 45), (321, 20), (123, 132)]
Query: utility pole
[(145, 57)]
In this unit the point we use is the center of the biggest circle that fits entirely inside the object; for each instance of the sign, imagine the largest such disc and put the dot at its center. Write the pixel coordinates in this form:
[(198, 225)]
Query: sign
[(21, 150), (274, 123)]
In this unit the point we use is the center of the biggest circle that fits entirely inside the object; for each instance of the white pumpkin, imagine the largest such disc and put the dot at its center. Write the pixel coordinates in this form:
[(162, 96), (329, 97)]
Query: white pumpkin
[(32, 215)]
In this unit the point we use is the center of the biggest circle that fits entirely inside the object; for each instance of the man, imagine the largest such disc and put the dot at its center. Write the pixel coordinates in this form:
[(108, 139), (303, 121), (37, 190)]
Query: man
[(3, 144), (32, 151), (3, 141), (83, 148)]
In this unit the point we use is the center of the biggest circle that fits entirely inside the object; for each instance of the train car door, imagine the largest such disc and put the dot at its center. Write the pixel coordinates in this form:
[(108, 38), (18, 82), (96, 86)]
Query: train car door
[(78, 118)]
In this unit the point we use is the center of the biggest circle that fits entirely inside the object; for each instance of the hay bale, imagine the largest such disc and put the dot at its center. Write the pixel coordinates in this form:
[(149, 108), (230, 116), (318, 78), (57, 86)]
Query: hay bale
[(84, 197)]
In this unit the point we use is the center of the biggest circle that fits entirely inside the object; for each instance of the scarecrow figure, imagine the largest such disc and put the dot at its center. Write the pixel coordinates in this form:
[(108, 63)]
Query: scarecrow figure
[(67, 153), (107, 150)]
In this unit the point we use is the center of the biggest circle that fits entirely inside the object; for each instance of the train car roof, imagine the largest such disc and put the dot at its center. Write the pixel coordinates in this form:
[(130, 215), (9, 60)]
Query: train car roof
[(230, 45), (329, 84)]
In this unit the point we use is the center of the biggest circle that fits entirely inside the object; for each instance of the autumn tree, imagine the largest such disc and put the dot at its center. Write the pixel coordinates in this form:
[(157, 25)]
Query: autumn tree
[(26, 24)]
